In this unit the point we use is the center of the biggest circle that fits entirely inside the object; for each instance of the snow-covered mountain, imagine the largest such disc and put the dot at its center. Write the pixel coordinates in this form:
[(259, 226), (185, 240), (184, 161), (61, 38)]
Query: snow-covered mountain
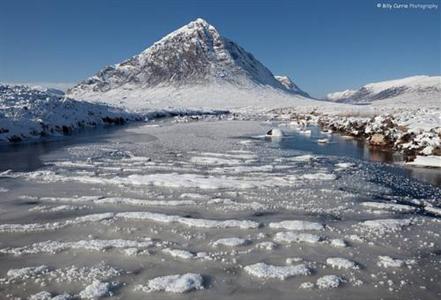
[(415, 87), (194, 60), (30, 113)]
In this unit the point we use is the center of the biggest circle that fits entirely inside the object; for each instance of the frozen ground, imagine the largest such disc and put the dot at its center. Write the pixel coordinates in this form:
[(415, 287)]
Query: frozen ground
[(213, 210)]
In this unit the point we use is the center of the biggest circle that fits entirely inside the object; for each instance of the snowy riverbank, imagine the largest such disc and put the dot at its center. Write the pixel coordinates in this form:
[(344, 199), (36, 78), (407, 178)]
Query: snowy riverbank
[(414, 132), (28, 114)]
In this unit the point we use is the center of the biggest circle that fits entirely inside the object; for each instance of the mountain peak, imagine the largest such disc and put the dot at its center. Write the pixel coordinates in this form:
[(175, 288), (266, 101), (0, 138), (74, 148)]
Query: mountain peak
[(194, 55), (199, 22)]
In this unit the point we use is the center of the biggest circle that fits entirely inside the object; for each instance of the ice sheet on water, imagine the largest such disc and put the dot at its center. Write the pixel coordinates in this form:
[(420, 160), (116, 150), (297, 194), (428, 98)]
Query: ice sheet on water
[(382, 226), (265, 271), (191, 222), (178, 284), (295, 237), (231, 242), (296, 225), (389, 207), (95, 290), (342, 263), (329, 281), (52, 247), (183, 254)]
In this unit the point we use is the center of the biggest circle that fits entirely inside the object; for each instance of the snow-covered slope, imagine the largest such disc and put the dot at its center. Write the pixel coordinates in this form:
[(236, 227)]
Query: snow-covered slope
[(427, 87), (193, 59), (290, 85), (32, 113)]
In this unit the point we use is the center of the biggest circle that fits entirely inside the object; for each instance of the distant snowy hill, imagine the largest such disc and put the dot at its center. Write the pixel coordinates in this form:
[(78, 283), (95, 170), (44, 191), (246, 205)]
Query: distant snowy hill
[(415, 87), (30, 113), (193, 61)]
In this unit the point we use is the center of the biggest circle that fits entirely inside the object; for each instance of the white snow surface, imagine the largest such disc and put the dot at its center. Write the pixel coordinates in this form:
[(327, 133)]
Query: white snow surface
[(29, 113)]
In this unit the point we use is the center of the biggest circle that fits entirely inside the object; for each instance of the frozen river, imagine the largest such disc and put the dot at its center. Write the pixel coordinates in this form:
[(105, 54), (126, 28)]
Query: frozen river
[(231, 214)]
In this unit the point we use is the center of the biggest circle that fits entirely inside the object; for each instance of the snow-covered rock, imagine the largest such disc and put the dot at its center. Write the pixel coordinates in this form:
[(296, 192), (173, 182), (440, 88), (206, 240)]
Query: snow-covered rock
[(275, 132)]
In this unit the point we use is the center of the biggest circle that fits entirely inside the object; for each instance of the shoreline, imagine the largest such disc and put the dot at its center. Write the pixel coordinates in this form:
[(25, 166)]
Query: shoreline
[(419, 147)]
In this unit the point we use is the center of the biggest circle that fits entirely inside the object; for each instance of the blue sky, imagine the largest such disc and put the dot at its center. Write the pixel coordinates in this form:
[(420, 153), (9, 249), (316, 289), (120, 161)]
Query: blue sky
[(323, 46)]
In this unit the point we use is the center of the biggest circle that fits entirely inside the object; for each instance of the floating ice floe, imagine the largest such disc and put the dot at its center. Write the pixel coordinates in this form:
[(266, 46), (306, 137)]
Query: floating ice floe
[(300, 158), (266, 245), (389, 262), (178, 284), (45, 295), (52, 247), (296, 225), (292, 260), (426, 161), (191, 222), (265, 271), (319, 176), (231, 242), (389, 207), (433, 210), (386, 225), (306, 285), (168, 180), (68, 274), (342, 263), (338, 243), (344, 165), (329, 281), (184, 254), (95, 290), (27, 272), (56, 225), (294, 237), (323, 141), (206, 160)]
